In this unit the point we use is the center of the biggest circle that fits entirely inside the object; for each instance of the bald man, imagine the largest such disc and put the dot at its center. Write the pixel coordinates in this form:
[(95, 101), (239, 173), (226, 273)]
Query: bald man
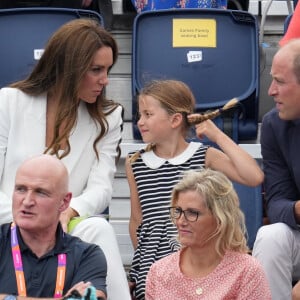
[(37, 259), (277, 246)]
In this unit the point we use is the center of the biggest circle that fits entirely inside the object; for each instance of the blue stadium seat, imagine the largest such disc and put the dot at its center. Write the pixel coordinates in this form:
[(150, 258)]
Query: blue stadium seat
[(251, 203), (24, 33), (214, 51)]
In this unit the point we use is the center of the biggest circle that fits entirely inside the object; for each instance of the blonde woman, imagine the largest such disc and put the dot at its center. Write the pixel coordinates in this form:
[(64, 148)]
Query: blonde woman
[(213, 262)]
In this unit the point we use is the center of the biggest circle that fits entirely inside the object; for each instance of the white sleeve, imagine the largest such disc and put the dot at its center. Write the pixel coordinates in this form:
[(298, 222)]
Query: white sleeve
[(98, 192), (5, 201)]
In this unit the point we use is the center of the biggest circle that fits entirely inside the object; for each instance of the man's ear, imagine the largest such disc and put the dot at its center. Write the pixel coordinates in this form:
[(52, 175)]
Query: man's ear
[(176, 120), (66, 201)]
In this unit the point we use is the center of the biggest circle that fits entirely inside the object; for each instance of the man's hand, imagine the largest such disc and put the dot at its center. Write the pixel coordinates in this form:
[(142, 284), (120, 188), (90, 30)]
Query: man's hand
[(80, 287)]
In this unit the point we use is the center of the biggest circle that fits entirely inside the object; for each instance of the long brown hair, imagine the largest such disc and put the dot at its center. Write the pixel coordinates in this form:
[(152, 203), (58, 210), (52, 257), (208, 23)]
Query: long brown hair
[(67, 57)]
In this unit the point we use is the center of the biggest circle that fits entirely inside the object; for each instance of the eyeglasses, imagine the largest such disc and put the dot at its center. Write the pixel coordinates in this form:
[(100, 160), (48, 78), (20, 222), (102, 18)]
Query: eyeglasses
[(189, 214)]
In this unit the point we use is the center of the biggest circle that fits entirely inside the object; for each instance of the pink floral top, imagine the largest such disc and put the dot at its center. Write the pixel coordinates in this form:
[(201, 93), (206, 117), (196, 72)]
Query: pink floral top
[(238, 276)]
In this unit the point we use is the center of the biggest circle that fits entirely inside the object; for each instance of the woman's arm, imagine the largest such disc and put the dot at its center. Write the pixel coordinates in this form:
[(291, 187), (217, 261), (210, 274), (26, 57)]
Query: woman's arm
[(135, 211), (233, 161), (5, 124), (97, 192)]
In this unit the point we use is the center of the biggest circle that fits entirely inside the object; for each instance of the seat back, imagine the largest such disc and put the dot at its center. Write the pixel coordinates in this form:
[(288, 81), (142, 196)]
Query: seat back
[(24, 33), (251, 203), (287, 22), (214, 51)]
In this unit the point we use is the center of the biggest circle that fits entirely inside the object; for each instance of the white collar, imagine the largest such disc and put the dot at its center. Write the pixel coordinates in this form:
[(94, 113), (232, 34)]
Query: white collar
[(154, 162)]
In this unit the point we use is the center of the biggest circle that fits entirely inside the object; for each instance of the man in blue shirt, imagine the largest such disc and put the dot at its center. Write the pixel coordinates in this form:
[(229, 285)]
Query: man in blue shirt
[(38, 259), (277, 246)]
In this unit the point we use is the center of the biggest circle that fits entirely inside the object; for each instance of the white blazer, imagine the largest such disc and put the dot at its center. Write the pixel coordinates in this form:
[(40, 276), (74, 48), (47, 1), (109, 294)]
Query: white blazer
[(23, 134)]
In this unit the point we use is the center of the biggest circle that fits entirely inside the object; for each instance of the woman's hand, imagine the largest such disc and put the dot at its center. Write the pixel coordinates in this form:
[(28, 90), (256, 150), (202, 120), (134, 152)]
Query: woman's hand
[(66, 216)]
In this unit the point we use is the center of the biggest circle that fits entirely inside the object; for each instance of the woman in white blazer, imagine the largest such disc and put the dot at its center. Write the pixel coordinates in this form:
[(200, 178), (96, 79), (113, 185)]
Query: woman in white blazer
[(61, 109)]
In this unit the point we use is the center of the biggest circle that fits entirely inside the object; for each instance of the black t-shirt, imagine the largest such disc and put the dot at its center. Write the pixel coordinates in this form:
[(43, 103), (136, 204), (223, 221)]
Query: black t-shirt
[(85, 262)]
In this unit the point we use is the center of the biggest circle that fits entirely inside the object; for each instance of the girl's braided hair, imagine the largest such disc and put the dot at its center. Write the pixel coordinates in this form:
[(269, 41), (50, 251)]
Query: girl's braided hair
[(176, 97), (198, 118)]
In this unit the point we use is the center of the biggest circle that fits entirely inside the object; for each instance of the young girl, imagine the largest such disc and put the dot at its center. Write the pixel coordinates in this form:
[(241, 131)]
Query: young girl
[(164, 107)]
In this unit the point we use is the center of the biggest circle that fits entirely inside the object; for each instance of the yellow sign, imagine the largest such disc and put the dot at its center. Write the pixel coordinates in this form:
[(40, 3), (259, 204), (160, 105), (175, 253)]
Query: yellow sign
[(195, 33)]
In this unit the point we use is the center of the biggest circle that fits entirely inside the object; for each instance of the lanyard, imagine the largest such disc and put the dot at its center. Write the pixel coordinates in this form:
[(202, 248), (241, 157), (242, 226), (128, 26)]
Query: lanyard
[(17, 258)]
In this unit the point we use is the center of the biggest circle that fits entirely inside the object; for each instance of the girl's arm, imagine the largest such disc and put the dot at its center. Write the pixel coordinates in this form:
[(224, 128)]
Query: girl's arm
[(135, 211), (233, 161)]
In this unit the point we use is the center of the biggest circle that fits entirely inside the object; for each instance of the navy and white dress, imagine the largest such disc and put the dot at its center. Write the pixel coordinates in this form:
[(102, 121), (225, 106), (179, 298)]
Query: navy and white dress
[(155, 177)]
